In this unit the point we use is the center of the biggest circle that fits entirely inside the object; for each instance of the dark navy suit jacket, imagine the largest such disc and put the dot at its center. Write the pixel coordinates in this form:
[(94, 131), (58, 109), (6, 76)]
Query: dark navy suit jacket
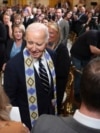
[(15, 87)]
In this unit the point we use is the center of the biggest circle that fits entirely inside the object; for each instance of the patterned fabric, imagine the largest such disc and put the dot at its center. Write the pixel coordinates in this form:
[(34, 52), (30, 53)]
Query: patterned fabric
[(30, 83)]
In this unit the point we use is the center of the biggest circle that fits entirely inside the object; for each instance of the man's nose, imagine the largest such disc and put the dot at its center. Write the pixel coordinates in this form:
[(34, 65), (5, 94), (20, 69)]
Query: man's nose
[(34, 47)]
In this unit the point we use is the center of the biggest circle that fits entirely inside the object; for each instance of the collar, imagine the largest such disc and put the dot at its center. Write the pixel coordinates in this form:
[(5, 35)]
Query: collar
[(86, 120), (42, 57), (31, 16), (60, 20)]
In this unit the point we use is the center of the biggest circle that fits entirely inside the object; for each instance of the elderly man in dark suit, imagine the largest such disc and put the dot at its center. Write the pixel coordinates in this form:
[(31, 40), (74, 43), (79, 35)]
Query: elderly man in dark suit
[(29, 78), (87, 118)]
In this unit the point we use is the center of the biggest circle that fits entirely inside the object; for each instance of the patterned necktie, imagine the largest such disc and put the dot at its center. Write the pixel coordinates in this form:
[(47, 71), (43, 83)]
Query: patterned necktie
[(43, 76)]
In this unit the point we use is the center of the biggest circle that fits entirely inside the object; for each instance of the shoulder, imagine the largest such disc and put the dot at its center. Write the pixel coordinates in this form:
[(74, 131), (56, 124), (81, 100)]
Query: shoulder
[(91, 36), (1, 24), (10, 41), (62, 47), (91, 32), (14, 127), (64, 22), (63, 53), (44, 122), (52, 54), (2, 28), (18, 125), (24, 42), (50, 124), (16, 60)]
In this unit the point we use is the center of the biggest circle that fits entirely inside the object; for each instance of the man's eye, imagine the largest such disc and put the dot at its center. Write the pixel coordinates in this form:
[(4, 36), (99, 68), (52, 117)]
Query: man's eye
[(30, 42), (39, 44)]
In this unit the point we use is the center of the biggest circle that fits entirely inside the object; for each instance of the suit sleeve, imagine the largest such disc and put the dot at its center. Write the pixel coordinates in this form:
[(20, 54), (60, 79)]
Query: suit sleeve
[(10, 83), (67, 29), (62, 62), (44, 124), (3, 33)]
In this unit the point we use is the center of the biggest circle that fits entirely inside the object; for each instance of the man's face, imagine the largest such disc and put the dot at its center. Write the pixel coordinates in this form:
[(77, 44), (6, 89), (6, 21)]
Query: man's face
[(26, 12), (6, 19), (9, 10), (35, 43), (39, 11), (59, 13)]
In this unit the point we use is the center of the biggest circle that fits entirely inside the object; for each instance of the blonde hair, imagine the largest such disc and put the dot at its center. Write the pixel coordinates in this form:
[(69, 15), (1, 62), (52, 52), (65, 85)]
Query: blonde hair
[(18, 16), (21, 27), (55, 26), (4, 103)]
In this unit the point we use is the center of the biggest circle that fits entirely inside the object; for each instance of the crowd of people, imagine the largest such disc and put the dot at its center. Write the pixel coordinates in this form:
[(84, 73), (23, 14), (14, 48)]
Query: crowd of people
[(36, 62)]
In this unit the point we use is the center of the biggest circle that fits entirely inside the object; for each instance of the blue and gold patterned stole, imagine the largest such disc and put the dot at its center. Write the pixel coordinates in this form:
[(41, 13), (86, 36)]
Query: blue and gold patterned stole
[(30, 83)]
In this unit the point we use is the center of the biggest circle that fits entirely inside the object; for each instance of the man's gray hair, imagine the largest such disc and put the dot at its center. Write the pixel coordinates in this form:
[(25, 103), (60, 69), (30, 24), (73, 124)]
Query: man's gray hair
[(37, 27)]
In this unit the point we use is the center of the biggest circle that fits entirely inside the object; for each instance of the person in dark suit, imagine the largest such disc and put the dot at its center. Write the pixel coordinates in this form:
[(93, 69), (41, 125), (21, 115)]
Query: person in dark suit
[(87, 118), (62, 60), (16, 44), (51, 14), (25, 87), (8, 25), (79, 20), (29, 17), (3, 35)]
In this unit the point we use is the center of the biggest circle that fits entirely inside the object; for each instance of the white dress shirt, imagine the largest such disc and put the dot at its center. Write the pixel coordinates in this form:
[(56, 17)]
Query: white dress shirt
[(59, 20), (86, 120), (36, 65)]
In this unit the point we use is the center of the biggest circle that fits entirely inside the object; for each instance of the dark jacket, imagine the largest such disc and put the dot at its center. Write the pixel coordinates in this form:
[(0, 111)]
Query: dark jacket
[(15, 87), (3, 37), (30, 21), (62, 71)]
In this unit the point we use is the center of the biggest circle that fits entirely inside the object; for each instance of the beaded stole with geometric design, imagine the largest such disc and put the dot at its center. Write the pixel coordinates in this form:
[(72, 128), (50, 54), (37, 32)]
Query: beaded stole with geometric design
[(30, 84)]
